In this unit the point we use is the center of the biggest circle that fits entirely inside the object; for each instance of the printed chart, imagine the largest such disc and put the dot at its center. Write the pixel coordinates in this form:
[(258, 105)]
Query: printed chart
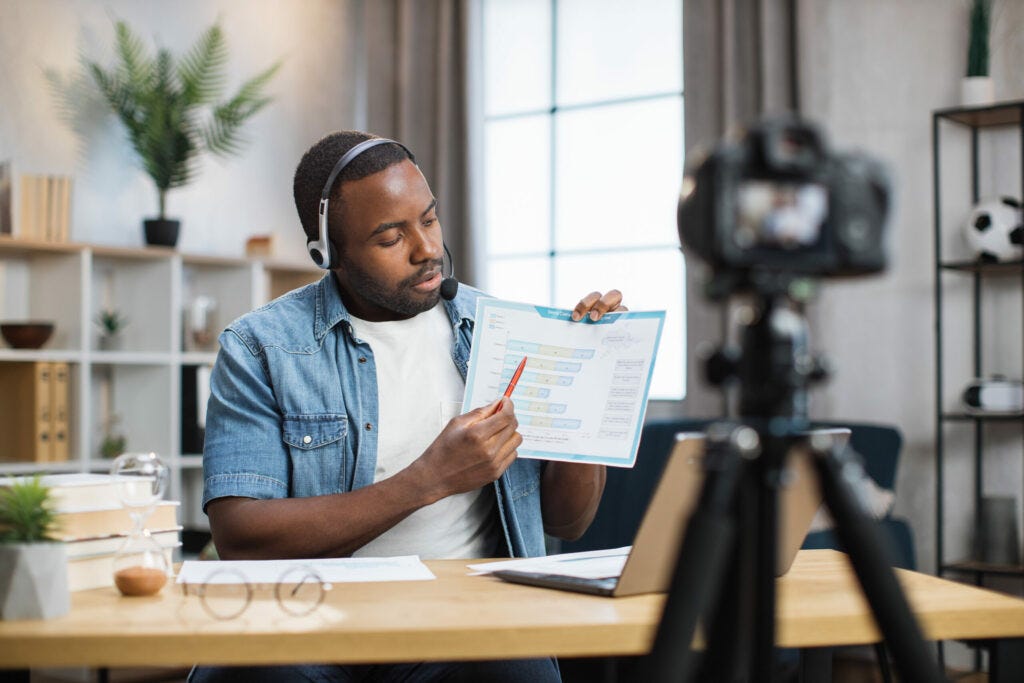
[(583, 393)]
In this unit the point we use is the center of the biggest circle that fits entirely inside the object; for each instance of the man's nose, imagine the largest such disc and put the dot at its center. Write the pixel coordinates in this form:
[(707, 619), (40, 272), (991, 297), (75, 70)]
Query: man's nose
[(429, 247)]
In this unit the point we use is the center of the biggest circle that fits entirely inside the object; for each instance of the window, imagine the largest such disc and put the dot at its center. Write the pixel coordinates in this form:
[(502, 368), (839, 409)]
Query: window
[(583, 156)]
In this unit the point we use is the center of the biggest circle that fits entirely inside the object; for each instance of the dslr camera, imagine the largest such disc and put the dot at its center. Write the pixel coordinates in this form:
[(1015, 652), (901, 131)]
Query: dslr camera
[(777, 205)]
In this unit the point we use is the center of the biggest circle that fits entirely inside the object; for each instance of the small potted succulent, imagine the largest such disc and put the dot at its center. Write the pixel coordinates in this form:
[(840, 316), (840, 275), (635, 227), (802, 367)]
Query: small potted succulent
[(114, 442), (33, 564), (977, 87), (111, 323)]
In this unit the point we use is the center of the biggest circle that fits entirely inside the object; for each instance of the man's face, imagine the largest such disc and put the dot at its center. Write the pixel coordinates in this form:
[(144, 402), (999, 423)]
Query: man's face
[(390, 246)]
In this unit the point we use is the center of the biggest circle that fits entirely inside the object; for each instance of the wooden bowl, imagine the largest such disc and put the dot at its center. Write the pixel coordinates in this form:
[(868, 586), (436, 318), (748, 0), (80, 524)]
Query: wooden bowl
[(27, 335)]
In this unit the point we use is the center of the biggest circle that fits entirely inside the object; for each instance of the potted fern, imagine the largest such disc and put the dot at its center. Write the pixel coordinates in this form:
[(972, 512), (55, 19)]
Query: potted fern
[(977, 88), (33, 565), (173, 111)]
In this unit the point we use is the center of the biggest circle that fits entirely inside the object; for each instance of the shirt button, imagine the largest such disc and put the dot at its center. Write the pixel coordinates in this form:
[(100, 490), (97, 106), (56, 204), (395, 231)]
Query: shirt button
[(307, 439), (369, 426), (362, 359)]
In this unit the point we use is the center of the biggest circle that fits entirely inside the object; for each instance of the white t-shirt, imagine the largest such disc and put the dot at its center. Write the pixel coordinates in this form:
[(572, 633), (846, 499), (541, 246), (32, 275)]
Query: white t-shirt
[(419, 390)]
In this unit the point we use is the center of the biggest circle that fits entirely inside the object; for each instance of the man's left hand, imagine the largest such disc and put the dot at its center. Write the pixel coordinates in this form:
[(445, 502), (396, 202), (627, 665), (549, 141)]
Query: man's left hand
[(596, 304)]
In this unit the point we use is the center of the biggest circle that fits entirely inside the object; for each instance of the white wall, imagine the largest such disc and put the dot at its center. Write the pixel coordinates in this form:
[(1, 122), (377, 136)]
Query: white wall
[(233, 198), (874, 72)]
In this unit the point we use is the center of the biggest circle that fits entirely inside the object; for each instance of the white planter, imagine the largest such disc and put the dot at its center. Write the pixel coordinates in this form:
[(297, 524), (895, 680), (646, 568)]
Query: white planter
[(977, 91), (33, 581)]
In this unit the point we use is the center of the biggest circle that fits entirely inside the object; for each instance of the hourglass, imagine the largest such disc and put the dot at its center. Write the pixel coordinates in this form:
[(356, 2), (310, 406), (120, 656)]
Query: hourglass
[(140, 565)]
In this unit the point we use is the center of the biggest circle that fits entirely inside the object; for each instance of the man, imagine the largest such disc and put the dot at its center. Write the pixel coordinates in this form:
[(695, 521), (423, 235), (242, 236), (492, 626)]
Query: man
[(328, 430)]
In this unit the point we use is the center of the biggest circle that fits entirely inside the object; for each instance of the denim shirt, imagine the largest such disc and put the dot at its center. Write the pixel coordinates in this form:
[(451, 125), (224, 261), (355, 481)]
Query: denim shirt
[(293, 409)]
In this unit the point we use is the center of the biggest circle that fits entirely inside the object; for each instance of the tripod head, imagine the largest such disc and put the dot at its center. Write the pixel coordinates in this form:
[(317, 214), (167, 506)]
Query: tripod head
[(774, 365)]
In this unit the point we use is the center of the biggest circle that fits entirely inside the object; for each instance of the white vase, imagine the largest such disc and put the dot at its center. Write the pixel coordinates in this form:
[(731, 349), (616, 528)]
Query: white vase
[(976, 91), (110, 342), (33, 581)]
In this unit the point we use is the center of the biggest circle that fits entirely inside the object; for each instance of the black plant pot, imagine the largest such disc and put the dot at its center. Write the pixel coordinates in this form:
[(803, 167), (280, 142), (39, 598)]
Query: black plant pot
[(161, 232)]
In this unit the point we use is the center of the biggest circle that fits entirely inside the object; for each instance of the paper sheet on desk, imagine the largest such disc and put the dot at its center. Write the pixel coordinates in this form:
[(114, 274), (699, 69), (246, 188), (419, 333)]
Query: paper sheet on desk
[(583, 394), (592, 564), (333, 570)]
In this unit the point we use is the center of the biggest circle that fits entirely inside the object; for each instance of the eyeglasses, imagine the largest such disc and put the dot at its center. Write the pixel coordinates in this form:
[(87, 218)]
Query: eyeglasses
[(225, 593)]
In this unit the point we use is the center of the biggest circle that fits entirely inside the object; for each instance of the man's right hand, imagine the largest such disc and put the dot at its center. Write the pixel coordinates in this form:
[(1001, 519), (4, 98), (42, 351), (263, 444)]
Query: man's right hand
[(473, 450)]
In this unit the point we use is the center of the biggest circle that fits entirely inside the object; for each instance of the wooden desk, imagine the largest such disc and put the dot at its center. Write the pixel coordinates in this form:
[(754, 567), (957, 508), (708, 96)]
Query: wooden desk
[(466, 617)]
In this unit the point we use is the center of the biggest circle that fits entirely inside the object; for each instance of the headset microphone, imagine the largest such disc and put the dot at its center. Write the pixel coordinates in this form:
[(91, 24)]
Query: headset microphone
[(449, 285)]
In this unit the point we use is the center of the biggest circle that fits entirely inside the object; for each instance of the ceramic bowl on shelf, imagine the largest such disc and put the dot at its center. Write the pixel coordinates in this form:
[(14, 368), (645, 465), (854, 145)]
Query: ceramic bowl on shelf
[(26, 335)]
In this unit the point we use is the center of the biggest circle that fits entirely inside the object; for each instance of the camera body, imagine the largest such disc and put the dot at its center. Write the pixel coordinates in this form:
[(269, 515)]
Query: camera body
[(777, 202)]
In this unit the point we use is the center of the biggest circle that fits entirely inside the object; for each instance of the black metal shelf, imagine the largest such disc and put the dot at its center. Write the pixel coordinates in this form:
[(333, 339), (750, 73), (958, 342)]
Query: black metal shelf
[(975, 120), (983, 417)]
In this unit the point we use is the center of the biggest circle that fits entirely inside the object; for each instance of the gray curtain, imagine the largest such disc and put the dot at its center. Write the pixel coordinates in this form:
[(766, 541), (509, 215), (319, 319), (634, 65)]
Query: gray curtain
[(413, 87), (738, 65)]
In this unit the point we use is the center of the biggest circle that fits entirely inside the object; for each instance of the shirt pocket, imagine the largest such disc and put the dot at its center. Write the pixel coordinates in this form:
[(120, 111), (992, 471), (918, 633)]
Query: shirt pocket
[(316, 447)]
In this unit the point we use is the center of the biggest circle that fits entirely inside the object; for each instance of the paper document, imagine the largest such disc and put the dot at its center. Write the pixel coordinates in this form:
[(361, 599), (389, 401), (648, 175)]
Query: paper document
[(333, 570), (592, 564), (583, 393)]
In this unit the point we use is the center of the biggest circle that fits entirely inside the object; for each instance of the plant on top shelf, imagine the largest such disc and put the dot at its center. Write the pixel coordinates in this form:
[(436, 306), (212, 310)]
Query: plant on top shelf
[(977, 47), (33, 564), (173, 111)]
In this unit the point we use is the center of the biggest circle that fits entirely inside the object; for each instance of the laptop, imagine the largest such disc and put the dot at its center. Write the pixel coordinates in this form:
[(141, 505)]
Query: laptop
[(651, 560)]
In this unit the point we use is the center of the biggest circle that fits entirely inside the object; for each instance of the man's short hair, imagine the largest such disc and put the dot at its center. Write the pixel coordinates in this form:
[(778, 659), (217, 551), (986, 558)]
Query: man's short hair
[(317, 163)]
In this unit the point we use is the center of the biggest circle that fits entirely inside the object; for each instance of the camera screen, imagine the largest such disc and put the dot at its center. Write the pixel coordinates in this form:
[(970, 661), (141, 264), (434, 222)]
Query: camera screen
[(779, 215)]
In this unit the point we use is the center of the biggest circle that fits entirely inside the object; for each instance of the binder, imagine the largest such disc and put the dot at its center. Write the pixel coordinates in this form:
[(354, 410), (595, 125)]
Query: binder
[(27, 207), (25, 421), (59, 395)]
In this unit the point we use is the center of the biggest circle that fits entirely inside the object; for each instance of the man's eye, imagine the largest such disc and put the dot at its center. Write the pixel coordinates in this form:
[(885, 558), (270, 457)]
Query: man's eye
[(390, 243)]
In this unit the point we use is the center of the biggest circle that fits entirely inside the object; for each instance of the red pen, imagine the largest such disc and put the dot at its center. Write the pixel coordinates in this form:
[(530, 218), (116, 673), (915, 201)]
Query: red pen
[(514, 381)]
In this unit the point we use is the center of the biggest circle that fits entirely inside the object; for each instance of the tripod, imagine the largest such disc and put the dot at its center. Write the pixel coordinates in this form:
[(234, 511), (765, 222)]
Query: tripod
[(725, 569)]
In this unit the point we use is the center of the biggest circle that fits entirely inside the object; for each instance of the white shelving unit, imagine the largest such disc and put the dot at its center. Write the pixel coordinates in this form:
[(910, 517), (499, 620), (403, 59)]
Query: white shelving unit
[(140, 382)]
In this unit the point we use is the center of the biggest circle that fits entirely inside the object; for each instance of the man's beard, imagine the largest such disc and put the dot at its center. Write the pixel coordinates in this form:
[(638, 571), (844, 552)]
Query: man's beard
[(402, 300)]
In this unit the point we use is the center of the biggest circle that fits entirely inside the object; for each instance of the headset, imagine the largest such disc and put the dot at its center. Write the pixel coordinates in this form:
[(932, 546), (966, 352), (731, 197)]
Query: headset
[(321, 250)]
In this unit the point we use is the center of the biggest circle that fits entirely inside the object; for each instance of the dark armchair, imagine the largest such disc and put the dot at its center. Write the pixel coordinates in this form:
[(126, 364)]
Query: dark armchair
[(628, 491)]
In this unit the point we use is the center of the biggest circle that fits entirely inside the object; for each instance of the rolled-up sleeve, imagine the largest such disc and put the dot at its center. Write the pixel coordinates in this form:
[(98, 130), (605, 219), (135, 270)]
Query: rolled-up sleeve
[(243, 453)]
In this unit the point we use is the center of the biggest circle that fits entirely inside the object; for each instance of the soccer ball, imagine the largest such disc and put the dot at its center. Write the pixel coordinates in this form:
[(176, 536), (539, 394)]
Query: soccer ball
[(994, 230)]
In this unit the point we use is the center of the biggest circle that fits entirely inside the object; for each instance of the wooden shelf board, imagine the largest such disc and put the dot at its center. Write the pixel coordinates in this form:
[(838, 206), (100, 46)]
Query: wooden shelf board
[(1000, 114), (26, 247), (1001, 268), (979, 567)]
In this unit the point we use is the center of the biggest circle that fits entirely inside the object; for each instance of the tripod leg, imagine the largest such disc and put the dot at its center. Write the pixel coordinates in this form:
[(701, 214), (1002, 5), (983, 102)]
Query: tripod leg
[(863, 542), (700, 564)]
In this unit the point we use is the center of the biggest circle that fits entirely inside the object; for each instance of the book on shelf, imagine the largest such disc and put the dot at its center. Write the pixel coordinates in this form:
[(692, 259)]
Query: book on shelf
[(86, 523), (6, 201), (108, 545), (97, 571), (44, 207), (84, 490), (34, 399)]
